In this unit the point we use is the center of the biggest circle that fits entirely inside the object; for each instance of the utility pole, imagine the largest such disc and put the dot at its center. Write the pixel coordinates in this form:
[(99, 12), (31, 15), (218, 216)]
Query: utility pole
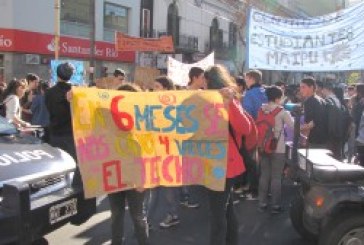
[(57, 14), (92, 41)]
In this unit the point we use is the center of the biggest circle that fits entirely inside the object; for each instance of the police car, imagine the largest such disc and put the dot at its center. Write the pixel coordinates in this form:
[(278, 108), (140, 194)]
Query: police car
[(36, 191)]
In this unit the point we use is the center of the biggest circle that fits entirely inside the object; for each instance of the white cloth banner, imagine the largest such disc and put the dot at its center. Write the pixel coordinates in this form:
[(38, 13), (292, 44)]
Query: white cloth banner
[(178, 71), (334, 42)]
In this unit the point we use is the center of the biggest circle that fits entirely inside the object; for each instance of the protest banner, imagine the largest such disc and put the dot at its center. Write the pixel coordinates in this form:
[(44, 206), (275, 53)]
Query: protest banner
[(178, 71), (145, 76), (124, 42), (78, 74), (129, 140), (333, 42)]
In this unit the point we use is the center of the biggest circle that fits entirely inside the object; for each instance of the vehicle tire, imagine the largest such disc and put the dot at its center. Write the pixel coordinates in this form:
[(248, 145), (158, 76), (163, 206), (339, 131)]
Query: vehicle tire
[(296, 215), (343, 228)]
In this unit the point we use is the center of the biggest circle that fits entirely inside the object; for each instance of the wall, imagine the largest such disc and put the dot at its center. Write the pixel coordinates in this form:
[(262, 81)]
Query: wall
[(195, 20), (38, 15)]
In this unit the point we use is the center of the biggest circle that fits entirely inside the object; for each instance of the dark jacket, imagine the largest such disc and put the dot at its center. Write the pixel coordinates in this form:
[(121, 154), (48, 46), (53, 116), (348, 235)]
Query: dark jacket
[(59, 109), (315, 110), (40, 115)]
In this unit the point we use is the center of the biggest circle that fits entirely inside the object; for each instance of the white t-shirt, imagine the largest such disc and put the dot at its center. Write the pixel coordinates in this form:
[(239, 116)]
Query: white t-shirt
[(13, 109)]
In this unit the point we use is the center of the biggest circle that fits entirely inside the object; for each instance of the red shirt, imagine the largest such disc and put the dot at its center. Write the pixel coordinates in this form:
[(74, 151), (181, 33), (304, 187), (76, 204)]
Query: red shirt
[(242, 126)]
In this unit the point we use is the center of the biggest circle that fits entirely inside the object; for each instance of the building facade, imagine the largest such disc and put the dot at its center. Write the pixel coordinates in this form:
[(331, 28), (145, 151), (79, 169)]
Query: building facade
[(198, 27), (27, 42)]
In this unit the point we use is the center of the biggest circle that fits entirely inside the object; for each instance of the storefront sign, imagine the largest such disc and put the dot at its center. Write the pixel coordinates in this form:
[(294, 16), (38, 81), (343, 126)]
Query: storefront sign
[(12, 40), (128, 140), (124, 42), (334, 42)]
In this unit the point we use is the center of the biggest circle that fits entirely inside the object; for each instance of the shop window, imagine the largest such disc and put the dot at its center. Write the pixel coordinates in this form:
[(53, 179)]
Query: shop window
[(115, 19), (76, 17)]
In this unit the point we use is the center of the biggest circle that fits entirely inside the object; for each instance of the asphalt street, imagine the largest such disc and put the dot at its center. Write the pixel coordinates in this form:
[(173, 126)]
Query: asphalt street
[(255, 228)]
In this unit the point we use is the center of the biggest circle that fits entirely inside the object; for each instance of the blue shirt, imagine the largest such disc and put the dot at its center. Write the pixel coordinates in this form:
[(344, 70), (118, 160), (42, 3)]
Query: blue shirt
[(254, 98)]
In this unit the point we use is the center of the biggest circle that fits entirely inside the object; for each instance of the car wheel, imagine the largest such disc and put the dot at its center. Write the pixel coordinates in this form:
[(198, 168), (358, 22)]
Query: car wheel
[(344, 229), (296, 215)]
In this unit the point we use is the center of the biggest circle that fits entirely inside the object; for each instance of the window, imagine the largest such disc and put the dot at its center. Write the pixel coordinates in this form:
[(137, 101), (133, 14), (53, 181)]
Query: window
[(115, 19), (76, 17), (232, 35), (173, 23), (216, 35), (146, 23)]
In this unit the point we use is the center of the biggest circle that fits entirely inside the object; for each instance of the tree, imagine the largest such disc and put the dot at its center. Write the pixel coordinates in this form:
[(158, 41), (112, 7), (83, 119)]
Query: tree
[(240, 12)]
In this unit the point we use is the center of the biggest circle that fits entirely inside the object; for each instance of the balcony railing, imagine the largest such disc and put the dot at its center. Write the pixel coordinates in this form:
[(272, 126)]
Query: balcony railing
[(185, 43), (188, 42), (222, 51)]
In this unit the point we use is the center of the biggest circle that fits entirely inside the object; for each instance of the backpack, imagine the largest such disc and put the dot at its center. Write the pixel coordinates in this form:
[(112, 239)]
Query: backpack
[(267, 142), (338, 120)]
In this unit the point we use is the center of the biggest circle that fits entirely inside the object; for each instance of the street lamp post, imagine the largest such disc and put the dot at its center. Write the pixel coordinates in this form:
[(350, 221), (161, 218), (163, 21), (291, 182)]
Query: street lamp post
[(57, 10), (92, 41)]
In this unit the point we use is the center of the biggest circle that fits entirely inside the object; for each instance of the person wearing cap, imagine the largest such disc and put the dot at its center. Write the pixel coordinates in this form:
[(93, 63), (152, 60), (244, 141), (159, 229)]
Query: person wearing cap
[(119, 75)]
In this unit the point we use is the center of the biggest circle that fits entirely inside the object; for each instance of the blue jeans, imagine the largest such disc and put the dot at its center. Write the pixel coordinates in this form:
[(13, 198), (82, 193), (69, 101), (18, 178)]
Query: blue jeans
[(223, 221), (117, 207)]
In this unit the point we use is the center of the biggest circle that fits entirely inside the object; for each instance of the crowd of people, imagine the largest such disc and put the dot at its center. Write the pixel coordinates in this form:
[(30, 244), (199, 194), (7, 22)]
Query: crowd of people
[(259, 127)]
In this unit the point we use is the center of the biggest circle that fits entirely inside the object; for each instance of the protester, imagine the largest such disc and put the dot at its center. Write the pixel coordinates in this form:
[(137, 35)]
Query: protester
[(40, 115), (135, 199), (163, 83), (337, 126), (357, 103), (57, 100), (350, 91), (223, 222), (197, 79), (272, 164), (314, 115), (360, 141), (242, 87), (319, 88), (12, 95), (255, 95), (119, 75), (61, 133), (252, 101), (26, 101)]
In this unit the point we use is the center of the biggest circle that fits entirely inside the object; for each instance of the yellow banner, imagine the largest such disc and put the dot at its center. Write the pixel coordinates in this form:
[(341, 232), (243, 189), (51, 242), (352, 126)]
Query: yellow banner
[(129, 140)]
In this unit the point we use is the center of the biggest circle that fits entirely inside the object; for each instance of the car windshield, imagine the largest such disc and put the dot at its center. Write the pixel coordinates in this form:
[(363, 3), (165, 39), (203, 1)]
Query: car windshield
[(6, 128)]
